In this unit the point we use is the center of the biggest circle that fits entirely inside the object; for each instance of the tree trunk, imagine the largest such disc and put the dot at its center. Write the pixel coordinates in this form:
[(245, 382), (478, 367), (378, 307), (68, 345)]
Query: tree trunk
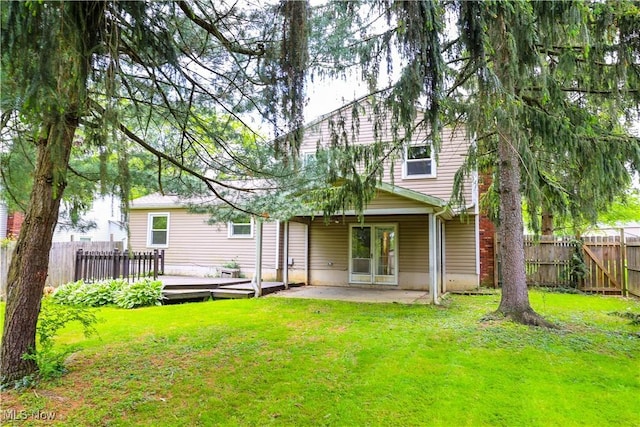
[(547, 221), (514, 302), (28, 270), (515, 294)]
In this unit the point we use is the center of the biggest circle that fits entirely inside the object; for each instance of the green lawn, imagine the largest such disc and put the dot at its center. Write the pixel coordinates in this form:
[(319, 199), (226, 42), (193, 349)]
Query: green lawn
[(301, 362)]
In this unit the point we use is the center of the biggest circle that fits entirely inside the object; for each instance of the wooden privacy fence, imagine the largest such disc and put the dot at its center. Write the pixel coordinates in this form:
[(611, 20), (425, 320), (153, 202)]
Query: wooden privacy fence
[(633, 265), (605, 264), (61, 261), (95, 265)]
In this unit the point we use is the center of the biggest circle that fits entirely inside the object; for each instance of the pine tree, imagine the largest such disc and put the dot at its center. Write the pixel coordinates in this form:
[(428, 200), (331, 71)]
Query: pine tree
[(104, 74), (542, 87), (546, 86)]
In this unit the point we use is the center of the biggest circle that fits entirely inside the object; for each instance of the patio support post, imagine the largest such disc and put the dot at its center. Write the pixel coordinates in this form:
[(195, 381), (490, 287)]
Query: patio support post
[(433, 260), (285, 256), (257, 277), (306, 253)]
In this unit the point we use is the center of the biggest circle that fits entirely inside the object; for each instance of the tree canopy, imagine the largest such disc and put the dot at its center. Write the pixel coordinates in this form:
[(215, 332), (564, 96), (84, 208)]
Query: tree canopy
[(87, 79), (543, 88)]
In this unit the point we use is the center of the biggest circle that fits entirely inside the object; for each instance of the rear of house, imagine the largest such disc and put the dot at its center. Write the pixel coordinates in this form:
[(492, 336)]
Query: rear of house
[(409, 237), (194, 247)]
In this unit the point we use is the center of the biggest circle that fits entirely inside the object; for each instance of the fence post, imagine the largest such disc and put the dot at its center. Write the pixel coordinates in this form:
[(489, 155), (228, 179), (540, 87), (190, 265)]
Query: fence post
[(496, 261), (155, 264), (623, 265), (78, 269), (125, 264), (162, 261), (116, 264)]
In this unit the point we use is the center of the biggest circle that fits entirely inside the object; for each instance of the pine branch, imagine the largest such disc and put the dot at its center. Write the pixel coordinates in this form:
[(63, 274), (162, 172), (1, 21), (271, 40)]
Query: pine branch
[(583, 90), (209, 182), (211, 29), (81, 175)]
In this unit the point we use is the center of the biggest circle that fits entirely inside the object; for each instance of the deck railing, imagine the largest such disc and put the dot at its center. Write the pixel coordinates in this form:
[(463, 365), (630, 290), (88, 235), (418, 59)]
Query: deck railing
[(93, 266)]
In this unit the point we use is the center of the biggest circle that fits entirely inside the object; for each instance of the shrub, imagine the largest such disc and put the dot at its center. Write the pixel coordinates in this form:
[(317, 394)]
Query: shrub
[(52, 318), (69, 293), (139, 294), (120, 292), (101, 293)]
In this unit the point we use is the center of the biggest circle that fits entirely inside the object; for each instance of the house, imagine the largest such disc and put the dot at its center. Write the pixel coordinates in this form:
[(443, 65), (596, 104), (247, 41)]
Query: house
[(105, 217), (630, 229), (10, 222), (410, 238), (106, 221)]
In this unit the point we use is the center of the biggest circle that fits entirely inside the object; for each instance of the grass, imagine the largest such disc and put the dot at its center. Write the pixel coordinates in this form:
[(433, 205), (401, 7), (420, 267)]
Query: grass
[(302, 362)]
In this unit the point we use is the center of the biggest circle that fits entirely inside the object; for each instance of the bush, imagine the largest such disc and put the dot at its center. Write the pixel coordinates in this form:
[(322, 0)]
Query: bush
[(52, 318), (101, 293), (120, 292), (139, 294), (69, 293)]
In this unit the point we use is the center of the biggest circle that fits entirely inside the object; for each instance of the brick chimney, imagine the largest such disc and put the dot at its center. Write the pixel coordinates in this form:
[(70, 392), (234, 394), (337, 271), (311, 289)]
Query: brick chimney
[(487, 234)]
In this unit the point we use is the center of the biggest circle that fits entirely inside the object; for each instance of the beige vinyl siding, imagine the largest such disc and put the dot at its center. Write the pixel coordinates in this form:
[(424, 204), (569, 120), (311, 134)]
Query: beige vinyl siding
[(413, 239), (460, 246), (297, 250), (453, 150), (193, 242), (384, 200), (269, 236), (329, 249)]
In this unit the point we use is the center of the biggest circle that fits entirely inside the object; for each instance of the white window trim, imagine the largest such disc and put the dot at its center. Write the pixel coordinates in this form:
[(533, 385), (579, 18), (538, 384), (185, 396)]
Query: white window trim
[(373, 226), (308, 157), (230, 234), (150, 217), (433, 173)]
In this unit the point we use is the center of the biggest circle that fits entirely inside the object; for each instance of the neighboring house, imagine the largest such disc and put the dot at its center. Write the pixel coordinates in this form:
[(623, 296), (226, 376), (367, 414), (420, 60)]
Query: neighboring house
[(11, 223), (4, 220), (410, 238), (108, 224), (631, 230)]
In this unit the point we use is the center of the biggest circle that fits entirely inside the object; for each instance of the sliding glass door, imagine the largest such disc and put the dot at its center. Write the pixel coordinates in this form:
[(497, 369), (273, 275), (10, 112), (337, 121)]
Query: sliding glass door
[(373, 254)]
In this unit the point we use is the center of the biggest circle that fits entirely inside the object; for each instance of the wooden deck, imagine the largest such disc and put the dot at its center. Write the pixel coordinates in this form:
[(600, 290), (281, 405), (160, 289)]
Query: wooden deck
[(186, 288)]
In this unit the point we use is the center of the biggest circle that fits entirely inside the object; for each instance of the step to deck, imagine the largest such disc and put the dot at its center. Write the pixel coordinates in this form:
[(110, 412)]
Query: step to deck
[(233, 290), (224, 293), (181, 287), (177, 282), (186, 294)]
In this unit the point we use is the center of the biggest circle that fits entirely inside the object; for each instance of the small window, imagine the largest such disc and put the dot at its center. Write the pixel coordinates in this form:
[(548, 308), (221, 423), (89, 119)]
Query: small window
[(158, 231), (418, 161), (242, 228), (308, 159)]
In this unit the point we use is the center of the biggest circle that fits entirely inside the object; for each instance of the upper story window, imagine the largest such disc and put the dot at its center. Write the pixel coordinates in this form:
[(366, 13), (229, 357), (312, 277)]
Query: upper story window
[(240, 229), (308, 159), (158, 230), (419, 162)]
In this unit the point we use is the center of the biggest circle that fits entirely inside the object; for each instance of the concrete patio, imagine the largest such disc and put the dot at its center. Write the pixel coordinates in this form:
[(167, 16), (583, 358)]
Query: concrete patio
[(179, 288), (355, 294)]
